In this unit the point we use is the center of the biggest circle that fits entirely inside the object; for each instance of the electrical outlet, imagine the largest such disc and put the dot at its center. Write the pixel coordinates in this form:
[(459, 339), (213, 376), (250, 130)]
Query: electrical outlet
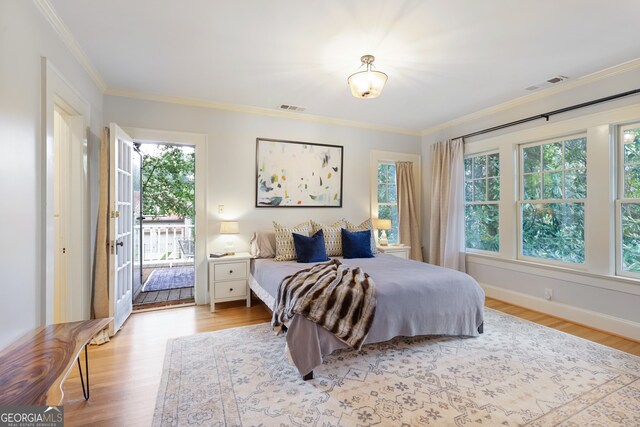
[(548, 293), (220, 209)]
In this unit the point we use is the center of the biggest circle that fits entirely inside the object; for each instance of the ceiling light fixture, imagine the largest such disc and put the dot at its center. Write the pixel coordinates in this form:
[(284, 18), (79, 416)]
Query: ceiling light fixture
[(368, 83)]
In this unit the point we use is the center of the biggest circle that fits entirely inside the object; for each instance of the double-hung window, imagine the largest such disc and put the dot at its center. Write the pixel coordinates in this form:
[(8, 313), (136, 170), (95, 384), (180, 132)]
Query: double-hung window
[(387, 205), (482, 196), (553, 189), (628, 206)]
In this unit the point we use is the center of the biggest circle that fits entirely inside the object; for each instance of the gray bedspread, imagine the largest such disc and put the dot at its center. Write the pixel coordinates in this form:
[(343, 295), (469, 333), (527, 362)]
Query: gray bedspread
[(414, 298)]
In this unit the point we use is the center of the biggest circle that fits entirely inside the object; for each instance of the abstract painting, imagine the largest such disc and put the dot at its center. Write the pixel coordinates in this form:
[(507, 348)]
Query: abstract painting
[(298, 174)]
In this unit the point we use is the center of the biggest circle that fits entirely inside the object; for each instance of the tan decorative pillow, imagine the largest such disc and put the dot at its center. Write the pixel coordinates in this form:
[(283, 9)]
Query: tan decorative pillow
[(332, 236), (366, 225), (285, 250), (263, 244)]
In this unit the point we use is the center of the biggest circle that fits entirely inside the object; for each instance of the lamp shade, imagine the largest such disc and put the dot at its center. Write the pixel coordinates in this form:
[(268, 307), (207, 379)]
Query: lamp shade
[(229, 227), (368, 83), (382, 224)]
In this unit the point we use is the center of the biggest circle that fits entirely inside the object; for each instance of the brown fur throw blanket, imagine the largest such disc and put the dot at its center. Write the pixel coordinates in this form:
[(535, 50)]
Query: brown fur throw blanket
[(340, 299)]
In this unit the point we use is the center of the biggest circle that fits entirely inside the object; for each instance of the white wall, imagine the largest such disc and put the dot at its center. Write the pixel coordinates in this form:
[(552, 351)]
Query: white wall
[(25, 37), (593, 297), (231, 160)]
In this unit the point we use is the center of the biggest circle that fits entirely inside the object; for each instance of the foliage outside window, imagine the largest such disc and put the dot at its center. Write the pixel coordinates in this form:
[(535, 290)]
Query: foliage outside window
[(168, 177), (630, 200), (482, 194), (553, 187), (388, 198)]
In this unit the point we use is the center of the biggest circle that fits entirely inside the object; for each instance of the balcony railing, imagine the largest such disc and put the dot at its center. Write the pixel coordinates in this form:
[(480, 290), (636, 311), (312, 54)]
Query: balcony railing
[(160, 243)]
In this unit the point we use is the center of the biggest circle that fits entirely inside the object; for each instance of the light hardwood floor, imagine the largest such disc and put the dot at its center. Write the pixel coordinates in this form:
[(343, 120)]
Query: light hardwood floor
[(125, 373)]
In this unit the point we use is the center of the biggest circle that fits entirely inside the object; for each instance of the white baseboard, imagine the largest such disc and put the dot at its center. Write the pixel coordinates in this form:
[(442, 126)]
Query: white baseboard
[(603, 322)]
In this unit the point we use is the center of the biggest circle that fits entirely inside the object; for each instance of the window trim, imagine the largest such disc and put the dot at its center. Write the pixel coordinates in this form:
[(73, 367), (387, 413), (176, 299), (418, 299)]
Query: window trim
[(520, 200), (378, 203), (485, 202), (620, 200), (600, 226)]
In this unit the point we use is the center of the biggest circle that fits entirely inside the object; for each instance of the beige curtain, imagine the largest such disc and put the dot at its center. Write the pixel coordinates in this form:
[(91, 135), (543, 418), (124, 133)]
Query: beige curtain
[(446, 247), (407, 209), (100, 291)]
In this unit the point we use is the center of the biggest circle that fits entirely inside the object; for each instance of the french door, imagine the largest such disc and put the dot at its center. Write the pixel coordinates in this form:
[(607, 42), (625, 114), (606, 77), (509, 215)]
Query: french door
[(121, 228)]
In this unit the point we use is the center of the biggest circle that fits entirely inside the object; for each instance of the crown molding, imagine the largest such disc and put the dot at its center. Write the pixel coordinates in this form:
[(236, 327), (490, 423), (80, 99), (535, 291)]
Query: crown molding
[(47, 9), (632, 65), (260, 111)]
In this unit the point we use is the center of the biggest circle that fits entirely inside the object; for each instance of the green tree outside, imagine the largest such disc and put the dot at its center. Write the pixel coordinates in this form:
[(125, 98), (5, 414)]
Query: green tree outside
[(168, 182), (553, 228), (630, 212)]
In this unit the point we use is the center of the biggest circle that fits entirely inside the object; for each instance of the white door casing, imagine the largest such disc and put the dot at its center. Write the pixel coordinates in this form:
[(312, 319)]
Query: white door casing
[(60, 215), (58, 93), (120, 228)]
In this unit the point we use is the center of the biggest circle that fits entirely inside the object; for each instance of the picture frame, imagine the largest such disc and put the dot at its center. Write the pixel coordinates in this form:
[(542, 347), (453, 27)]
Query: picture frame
[(298, 174)]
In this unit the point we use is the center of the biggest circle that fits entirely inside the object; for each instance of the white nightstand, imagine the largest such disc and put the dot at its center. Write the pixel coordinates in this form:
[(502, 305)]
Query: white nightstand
[(399, 251), (228, 279)]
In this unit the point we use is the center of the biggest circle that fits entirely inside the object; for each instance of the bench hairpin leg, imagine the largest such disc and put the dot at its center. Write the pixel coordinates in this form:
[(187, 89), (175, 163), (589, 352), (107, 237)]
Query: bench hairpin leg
[(85, 393)]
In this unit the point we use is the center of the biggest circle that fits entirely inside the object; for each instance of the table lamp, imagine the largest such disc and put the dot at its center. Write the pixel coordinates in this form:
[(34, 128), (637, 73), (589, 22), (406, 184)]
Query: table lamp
[(230, 227), (382, 224)]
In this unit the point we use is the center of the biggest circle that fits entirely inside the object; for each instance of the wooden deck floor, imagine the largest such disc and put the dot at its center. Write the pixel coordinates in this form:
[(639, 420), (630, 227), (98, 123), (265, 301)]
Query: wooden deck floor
[(154, 299), (159, 298)]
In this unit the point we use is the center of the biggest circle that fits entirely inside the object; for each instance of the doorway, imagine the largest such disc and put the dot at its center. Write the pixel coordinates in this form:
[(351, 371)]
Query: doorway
[(65, 200), (61, 211), (164, 224)]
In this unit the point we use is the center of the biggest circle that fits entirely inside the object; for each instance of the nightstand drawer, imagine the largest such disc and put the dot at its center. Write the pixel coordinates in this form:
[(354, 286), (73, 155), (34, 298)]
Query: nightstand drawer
[(236, 288), (400, 254), (230, 271), (397, 251)]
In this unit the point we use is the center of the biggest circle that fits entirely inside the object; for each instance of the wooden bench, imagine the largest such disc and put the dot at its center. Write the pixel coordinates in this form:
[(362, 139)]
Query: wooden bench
[(33, 369)]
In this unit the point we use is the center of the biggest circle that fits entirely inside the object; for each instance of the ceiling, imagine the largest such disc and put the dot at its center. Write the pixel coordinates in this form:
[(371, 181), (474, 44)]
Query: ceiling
[(444, 59)]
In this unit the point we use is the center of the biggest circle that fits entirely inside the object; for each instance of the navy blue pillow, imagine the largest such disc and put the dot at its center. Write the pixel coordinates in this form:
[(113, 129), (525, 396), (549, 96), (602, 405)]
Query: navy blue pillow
[(310, 249), (356, 244)]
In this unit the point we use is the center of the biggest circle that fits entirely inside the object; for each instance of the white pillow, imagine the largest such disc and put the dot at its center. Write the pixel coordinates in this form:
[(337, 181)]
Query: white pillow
[(366, 225), (285, 249), (332, 236)]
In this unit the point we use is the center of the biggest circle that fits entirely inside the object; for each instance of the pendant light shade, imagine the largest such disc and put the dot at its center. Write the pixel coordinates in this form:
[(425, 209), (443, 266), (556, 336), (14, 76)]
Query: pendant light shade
[(367, 83)]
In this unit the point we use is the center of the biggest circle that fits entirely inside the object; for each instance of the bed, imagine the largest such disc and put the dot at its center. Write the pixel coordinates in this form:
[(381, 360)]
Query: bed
[(413, 298)]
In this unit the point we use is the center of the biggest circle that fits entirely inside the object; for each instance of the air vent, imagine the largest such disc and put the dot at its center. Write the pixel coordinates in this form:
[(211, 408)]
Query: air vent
[(292, 108), (557, 79), (550, 82)]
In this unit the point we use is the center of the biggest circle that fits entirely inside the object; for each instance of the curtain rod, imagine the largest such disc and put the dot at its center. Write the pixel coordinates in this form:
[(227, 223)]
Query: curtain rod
[(551, 113)]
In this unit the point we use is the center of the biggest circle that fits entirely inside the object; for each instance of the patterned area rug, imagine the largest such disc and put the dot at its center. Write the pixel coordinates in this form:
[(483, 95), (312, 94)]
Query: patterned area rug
[(516, 373), (169, 278)]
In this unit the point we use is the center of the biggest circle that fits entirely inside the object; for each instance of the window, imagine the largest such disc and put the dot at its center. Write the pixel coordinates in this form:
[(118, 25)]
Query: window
[(388, 198), (383, 197), (482, 193), (629, 201), (553, 188)]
